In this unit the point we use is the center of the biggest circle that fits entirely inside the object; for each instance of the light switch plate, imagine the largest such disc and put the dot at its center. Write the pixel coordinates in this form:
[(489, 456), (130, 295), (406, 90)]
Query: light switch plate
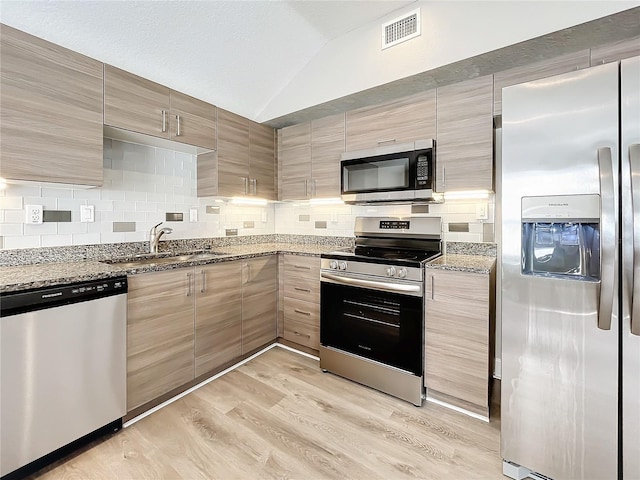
[(193, 214), (482, 211), (87, 213), (33, 214)]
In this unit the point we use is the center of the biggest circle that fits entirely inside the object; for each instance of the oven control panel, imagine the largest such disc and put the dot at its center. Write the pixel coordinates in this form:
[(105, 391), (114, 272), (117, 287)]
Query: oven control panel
[(395, 224)]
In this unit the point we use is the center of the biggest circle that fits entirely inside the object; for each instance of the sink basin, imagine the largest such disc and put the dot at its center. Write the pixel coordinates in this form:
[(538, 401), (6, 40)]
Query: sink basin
[(152, 260)]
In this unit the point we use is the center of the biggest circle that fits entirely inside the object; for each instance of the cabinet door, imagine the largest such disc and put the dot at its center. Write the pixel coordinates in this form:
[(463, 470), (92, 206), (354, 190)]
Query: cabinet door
[(302, 278), (262, 160), (159, 334), (51, 112), (233, 154), (534, 71), (405, 120), (294, 158), (301, 310), (192, 121), (135, 103), (207, 172), (259, 291), (327, 144), (464, 147), (457, 338), (301, 323), (218, 315)]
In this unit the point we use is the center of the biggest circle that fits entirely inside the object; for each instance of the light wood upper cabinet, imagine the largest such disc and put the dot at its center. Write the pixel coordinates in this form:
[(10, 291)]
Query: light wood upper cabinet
[(614, 52), (218, 328), (405, 120), (140, 105), (160, 334), (464, 145), (327, 144), (233, 154), (457, 338), (51, 112), (192, 121), (245, 163), (294, 158), (262, 160), (301, 300), (259, 297), (534, 71)]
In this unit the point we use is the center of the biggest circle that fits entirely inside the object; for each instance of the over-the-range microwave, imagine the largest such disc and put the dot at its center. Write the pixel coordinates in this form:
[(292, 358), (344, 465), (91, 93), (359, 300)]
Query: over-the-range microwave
[(399, 173)]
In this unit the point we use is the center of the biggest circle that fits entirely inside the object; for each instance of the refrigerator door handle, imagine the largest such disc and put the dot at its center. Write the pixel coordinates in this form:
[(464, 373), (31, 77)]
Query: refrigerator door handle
[(607, 237), (634, 161)]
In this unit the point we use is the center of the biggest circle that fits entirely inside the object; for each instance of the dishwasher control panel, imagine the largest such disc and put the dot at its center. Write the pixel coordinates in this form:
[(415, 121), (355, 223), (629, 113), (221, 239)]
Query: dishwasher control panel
[(13, 303)]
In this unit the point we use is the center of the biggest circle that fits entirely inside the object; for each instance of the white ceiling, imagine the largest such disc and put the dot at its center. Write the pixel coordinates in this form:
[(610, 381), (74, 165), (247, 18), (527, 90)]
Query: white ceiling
[(235, 54)]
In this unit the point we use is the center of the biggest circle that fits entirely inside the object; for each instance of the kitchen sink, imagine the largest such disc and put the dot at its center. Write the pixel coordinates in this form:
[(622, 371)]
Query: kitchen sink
[(150, 260)]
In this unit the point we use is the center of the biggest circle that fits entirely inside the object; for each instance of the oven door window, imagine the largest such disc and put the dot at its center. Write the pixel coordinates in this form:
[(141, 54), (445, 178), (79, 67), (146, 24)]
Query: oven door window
[(381, 326)]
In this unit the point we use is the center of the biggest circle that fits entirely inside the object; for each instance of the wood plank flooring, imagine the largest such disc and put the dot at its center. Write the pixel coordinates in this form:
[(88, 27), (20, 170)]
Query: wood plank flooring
[(279, 416)]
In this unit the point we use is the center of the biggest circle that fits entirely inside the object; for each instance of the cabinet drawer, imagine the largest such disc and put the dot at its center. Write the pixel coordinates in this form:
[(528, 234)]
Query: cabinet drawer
[(302, 322), (441, 283), (302, 278)]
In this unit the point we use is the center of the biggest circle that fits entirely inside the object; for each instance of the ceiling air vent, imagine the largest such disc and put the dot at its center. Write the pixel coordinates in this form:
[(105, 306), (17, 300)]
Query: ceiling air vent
[(401, 29)]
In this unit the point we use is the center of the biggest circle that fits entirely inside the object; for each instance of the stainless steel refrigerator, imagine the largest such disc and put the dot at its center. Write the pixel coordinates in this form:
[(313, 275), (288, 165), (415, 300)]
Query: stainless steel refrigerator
[(570, 402)]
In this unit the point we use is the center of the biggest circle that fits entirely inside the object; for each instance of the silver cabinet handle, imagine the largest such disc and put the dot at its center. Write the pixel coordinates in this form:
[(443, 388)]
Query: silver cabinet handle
[(164, 121), (246, 185), (248, 267), (444, 177), (302, 289), (306, 188), (634, 161), (303, 267), (302, 312), (608, 238), (204, 281), (433, 287), (389, 287), (178, 129), (314, 187), (388, 140), (189, 277), (301, 334), (254, 182)]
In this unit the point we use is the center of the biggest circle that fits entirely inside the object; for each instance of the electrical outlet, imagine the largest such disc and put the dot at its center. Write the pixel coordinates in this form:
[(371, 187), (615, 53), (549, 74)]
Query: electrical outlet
[(33, 214), (482, 211)]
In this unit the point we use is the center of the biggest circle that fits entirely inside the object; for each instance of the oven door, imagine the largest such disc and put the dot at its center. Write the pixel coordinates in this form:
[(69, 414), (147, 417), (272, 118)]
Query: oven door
[(373, 323)]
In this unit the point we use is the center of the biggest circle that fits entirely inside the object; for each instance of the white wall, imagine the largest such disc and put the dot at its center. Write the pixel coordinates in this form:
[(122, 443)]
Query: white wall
[(141, 184), (451, 31)]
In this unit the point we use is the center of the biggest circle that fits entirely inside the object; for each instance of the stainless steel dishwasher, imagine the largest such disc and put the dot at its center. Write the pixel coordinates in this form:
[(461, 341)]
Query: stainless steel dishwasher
[(63, 367)]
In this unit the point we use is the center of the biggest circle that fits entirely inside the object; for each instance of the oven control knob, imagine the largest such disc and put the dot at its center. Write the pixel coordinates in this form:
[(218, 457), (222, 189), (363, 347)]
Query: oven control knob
[(391, 271), (333, 265), (402, 272), (342, 265)]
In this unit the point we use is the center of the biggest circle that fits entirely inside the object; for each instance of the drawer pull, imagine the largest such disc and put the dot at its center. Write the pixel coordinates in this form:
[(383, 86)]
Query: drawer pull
[(301, 334), (388, 140), (303, 267), (302, 289), (302, 312)]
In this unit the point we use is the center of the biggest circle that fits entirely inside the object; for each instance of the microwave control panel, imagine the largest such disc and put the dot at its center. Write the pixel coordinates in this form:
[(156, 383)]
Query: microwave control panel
[(422, 171)]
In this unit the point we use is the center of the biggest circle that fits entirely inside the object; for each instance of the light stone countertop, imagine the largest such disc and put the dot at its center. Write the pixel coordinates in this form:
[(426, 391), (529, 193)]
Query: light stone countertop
[(481, 264), (24, 277)]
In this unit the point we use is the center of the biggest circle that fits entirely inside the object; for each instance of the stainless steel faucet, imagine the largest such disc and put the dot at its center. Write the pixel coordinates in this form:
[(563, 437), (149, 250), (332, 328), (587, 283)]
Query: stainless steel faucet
[(154, 236)]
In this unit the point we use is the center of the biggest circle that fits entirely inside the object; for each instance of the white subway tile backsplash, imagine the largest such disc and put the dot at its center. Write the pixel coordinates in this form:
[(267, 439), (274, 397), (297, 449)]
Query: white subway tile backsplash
[(57, 192), (22, 241), (72, 228), (13, 203), (111, 237), (41, 229), (11, 229), (89, 194), (85, 238), (12, 216), (56, 240), (15, 190)]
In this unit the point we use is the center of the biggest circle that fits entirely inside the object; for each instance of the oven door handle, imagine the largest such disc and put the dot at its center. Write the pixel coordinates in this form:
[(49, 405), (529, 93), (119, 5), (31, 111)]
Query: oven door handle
[(388, 287)]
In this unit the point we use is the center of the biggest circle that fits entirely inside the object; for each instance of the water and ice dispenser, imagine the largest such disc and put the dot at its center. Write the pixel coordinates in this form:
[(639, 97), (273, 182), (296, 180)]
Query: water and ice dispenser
[(561, 237)]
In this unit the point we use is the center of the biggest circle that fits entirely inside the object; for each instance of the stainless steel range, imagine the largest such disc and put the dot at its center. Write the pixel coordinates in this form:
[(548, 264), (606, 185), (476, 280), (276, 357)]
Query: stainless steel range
[(372, 308)]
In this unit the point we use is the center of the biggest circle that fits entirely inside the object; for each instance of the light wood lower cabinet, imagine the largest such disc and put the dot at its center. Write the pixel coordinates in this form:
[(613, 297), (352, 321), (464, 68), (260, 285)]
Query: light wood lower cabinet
[(458, 323), (186, 322), (218, 336), (259, 296), (301, 300), (160, 334), (51, 112)]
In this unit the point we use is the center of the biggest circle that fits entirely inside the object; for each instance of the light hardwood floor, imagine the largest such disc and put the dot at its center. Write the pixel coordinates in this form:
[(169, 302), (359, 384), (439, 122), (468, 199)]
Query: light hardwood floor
[(279, 416)]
